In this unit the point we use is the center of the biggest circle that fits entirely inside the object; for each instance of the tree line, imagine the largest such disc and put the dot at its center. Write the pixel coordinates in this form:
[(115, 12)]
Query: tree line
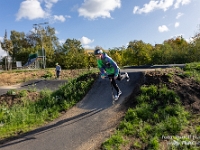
[(72, 55)]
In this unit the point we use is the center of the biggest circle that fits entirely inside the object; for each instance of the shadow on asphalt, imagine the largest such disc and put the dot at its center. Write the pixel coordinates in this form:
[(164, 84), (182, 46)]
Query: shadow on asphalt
[(30, 135)]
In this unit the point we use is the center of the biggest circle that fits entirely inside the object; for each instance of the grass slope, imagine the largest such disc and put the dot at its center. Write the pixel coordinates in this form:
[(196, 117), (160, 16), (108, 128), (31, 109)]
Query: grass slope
[(163, 115)]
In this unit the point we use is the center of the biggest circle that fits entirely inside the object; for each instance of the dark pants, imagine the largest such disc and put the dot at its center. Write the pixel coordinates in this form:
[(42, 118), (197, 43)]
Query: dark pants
[(112, 80), (57, 73)]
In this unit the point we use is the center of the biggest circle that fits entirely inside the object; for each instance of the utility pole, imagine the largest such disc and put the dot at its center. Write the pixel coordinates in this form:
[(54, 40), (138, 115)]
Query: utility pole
[(38, 27)]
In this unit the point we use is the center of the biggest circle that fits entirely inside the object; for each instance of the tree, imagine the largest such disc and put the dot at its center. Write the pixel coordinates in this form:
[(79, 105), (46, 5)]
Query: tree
[(74, 54), (45, 39), (19, 41), (127, 57), (141, 52), (34, 41), (116, 55), (162, 54), (179, 49)]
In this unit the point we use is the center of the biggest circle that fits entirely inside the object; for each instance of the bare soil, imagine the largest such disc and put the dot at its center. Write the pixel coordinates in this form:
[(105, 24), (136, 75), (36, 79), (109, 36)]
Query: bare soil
[(10, 100)]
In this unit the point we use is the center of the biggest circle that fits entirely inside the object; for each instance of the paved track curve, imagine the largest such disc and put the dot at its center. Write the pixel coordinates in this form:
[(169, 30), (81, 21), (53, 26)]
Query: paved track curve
[(37, 84)]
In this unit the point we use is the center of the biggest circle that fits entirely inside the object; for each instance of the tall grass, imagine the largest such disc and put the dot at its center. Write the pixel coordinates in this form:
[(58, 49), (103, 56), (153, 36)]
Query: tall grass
[(29, 114)]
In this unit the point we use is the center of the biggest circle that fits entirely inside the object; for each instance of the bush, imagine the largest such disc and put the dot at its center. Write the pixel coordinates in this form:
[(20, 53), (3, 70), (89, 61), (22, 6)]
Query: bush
[(131, 115), (144, 111), (48, 74), (114, 142), (22, 93), (12, 92), (154, 143)]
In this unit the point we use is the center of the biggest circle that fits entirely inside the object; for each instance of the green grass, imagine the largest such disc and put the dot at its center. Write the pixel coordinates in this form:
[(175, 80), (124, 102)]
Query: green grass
[(27, 115), (192, 70), (158, 112)]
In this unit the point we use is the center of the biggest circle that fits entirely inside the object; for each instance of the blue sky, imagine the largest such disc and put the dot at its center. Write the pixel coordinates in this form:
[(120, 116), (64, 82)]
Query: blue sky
[(105, 23)]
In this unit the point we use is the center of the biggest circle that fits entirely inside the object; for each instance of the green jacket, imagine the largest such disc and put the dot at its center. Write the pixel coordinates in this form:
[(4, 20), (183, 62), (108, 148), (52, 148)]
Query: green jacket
[(107, 66)]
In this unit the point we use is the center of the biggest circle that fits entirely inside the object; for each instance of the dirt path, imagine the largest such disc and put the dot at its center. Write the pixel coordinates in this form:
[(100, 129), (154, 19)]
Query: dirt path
[(85, 126)]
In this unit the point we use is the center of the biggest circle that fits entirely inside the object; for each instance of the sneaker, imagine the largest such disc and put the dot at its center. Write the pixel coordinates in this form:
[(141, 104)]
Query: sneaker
[(127, 77), (118, 94)]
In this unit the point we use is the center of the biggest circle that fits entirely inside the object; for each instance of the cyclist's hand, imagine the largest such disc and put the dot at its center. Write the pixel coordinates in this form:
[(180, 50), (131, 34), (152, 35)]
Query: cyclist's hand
[(115, 77), (103, 77)]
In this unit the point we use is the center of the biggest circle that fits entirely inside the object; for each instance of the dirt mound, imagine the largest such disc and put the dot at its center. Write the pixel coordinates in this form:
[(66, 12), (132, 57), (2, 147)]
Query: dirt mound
[(10, 100), (186, 88)]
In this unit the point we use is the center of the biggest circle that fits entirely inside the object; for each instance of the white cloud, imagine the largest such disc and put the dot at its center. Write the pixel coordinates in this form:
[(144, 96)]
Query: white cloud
[(177, 24), (181, 2), (2, 52), (159, 4), (93, 9), (30, 9), (49, 3), (163, 28), (135, 9), (85, 41), (152, 5), (179, 15), (59, 18)]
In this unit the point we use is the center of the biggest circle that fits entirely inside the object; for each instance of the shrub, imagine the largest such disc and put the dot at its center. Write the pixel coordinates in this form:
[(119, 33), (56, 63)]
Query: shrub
[(154, 143), (198, 129), (144, 111), (127, 128), (11, 92), (48, 74), (22, 93), (173, 125), (151, 91), (131, 115), (114, 142)]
